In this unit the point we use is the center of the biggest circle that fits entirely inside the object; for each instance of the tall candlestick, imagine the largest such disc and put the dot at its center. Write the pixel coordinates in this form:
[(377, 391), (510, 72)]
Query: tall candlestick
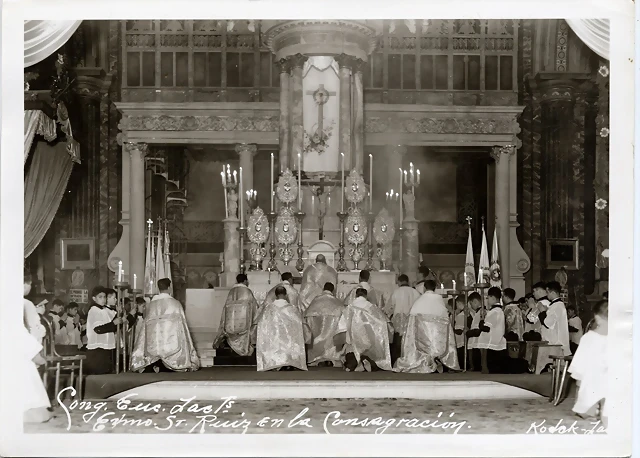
[(454, 285), (328, 204), (313, 204), (480, 276), (418, 172), (371, 182), (272, 198), (400, 196), (240, 195), (342, 160), (119, 271), (134, 281), (299, 182)]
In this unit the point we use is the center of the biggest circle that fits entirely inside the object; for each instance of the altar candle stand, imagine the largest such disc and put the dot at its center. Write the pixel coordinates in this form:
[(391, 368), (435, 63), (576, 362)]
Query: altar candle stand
[(466, 290), (342, 265), (273, 265), (121, 340), (132, 337), (370, 251), (483, 353), (300, 262), (241, 231)]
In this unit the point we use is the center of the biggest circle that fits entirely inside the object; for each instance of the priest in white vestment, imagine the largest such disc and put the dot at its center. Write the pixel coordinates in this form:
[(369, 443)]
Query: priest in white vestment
[(164, 338), (555, 324), (398, 309), (292, 294), (238, 318), (314, 278), (429, 341), (373, 296), (321, 321), (366, 333), (280, 337)]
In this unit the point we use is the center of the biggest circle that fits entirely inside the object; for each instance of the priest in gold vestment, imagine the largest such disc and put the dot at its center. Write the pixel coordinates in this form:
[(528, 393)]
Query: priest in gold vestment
[(314, 278), (280, 335), (366, 333), (238, 318), (292, 294), (321, 320), (429, 341), (164, 337)]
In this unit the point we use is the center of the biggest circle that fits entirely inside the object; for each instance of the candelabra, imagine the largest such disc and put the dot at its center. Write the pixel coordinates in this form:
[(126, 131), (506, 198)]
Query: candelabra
[(300, 262), (121, 330), (230, 185), (273, 265), (370, 251), (342, 265), (241, 231)]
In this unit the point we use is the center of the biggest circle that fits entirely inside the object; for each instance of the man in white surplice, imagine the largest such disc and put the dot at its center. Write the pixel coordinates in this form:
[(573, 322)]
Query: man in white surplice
[(429, 341), (280, 336), (398, 309)]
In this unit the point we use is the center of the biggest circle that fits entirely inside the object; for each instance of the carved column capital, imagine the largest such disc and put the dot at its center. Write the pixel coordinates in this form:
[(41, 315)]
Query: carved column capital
[(297, 60), (132, 148), (284, 65), (345, 61), (498, 152), (358, 65), (245, 148)]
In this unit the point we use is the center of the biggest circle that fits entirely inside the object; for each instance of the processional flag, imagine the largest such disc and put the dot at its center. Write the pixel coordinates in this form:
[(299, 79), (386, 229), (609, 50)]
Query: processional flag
[(167, 258), (469, 265), (495, 277), (159, 260), (149, 265), (484, 259)]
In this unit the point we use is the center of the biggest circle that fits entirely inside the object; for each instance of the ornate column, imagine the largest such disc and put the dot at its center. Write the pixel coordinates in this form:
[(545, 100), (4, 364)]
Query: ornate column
[(297, 127), (357, 92), (137, 153), (502, 156), (344, 141), (284, 155), (246, 152)]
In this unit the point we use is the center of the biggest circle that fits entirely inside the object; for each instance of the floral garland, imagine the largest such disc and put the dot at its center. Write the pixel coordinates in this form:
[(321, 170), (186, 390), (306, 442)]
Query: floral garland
[(319, 140), (601, 182)]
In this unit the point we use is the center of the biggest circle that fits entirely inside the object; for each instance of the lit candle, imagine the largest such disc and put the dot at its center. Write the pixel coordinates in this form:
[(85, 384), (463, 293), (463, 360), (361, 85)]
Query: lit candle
[(405, 177), (299, 182), (342, 160), (480, 276), (454, 285), (400, 199), (465, 279), (224, 181), (224, 187), (418, 172), (241, 199), (387, 194), (119, 271), (235, 176), (272, 193), (313, 204), (134, 281), (371, 182), (328, 204), (442, 286), (411, 170)]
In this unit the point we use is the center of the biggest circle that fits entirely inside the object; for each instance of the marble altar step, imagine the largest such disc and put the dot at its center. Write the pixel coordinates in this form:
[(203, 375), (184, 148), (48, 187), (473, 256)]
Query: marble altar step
[(228, 357)]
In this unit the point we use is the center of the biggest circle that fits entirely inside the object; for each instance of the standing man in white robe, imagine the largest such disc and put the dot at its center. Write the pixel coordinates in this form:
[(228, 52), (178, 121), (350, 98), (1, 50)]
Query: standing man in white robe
[(31, 315), (238, 318), (555, 325), (164, 339), (398, 309), (314, 278), (429, 341), (292, 294), (321, 322), (280, 339), (373, 296), (366, 333), (491, 341)]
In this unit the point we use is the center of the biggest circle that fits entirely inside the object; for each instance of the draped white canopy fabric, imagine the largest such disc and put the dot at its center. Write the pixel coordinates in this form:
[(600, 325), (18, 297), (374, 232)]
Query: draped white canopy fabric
[(594, 33), (43, 38)]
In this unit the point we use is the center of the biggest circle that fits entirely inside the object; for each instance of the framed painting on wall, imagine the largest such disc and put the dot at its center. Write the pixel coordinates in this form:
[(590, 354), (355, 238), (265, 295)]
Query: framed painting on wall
[(562, 253), (77, 254)]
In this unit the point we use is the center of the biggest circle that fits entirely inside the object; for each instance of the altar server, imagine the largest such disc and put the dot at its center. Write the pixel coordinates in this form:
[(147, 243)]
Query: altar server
[(373, 296), (321, 320), (366, 333), (101, 327), (280, 339), (292, 294), (429, 341), (555, 325), (314, 278), (238, 318), (514, 324), (164, 338), (589, 367), (491, 334), (398, 309)]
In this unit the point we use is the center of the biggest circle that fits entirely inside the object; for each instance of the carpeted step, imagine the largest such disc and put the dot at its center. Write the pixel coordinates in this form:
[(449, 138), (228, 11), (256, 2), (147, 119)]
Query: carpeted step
[(228, 357)]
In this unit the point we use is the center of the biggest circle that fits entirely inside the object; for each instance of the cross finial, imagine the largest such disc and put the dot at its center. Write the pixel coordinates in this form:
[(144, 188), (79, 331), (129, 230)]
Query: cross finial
[(468, 218), (149, 223)]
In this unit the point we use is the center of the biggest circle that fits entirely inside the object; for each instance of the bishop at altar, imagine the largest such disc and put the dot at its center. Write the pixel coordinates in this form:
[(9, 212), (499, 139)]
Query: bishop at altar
[(314, 277)]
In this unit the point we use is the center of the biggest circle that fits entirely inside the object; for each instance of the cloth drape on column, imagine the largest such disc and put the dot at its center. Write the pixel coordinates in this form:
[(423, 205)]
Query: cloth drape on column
[(43, 38), (44, 186), (36, 122), (594, 33)]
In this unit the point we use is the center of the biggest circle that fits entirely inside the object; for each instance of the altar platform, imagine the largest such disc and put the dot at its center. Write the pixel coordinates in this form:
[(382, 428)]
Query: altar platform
[(316, 383)]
